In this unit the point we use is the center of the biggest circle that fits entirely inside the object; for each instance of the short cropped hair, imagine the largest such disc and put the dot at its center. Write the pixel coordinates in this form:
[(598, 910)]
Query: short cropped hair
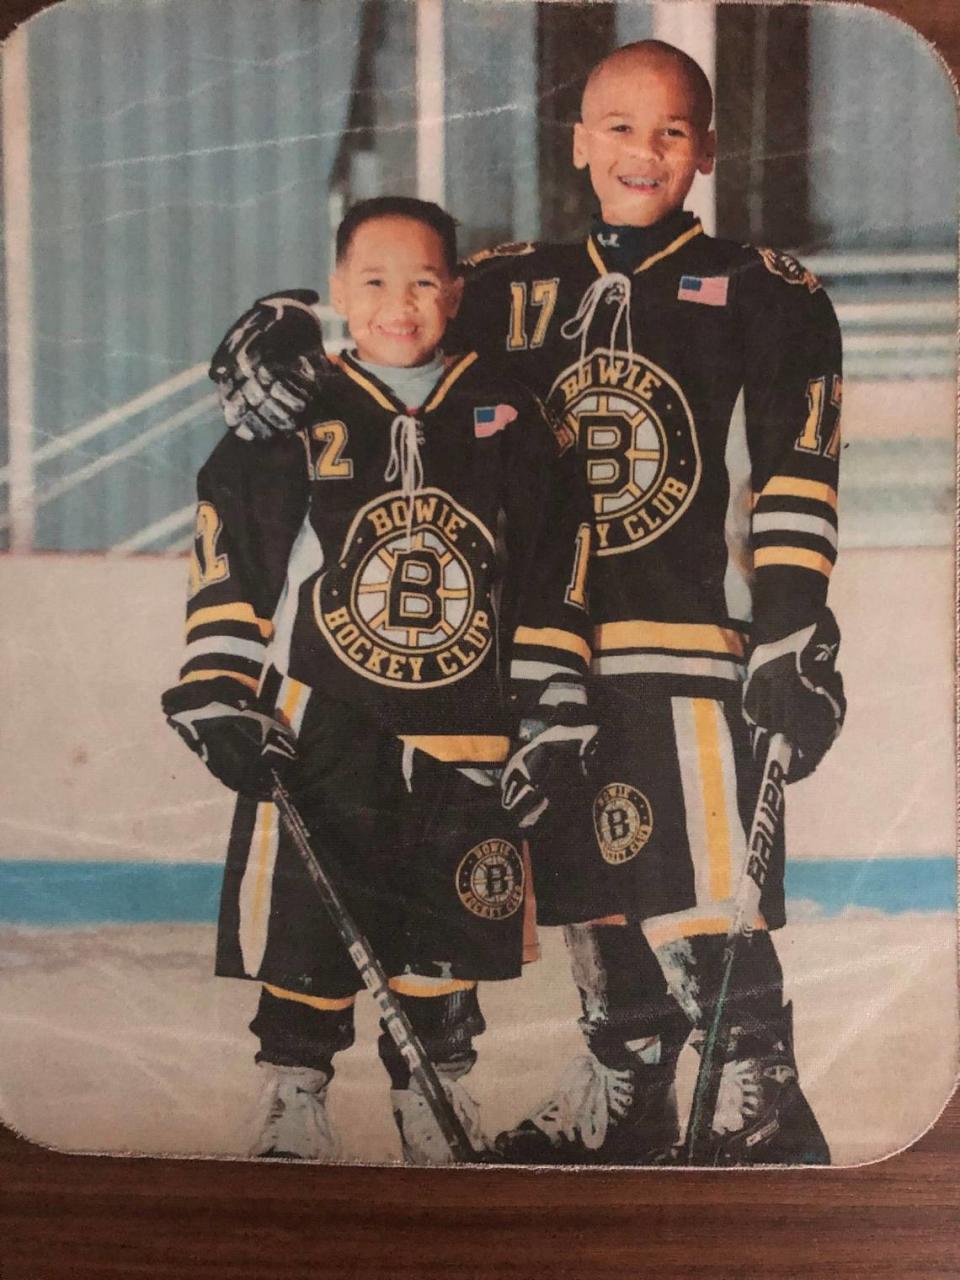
[(431, 215), (659, 51)]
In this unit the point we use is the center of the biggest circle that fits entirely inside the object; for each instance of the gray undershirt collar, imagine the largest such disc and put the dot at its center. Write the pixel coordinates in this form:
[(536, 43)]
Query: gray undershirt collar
[(410, 386)]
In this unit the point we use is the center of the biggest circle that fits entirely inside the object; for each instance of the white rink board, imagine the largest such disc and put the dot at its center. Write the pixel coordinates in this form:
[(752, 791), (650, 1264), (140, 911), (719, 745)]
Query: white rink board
[(92, 772)]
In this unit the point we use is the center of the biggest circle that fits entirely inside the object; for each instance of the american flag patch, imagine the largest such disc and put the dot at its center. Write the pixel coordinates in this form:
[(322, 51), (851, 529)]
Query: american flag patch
[(491, 419), (711, 291)]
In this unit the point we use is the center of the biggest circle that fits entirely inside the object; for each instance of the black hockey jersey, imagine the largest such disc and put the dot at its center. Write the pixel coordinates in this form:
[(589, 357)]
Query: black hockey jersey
[(412, 562), (702, 386)]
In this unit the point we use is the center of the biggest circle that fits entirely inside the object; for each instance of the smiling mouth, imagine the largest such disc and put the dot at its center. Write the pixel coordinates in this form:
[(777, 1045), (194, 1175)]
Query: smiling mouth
[(398, 331), (639, 184)]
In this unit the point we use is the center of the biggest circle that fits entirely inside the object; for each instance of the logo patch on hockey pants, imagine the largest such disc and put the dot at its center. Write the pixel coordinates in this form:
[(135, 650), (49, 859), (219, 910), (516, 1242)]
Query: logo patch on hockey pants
[(490, 880)]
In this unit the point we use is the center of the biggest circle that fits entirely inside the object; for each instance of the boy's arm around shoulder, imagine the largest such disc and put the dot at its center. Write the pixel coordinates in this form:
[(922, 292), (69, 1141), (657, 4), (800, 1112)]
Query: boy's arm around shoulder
[(483, 322), (271, 364)]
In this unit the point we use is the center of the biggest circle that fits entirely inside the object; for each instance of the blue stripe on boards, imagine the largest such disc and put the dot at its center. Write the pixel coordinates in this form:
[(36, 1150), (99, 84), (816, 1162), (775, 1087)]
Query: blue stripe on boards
[(879, 884), (87, 893)]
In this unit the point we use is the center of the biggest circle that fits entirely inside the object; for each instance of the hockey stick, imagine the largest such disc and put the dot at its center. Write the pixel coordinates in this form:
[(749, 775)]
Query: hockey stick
[(767, 818), (395, 1021)]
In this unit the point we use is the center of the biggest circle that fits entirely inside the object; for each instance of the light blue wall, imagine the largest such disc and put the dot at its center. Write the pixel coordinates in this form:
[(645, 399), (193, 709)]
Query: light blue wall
[(491, 130), (181, 152), (883, 125), (181, 161)]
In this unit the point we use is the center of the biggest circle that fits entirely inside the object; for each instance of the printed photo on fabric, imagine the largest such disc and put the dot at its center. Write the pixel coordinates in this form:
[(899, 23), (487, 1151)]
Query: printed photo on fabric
[(478, 520)]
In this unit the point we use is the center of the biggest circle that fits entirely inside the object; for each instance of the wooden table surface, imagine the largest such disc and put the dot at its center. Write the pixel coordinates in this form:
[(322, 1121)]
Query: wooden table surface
[(92, 1219), (99, 1218)]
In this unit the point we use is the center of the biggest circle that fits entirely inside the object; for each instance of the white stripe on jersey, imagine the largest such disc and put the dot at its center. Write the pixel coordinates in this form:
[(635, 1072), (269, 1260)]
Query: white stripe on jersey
[(795, 522), (256, 888), (226, 644), (657, 664), (520, 670), (305, 558), (736, 525), (688, 760)]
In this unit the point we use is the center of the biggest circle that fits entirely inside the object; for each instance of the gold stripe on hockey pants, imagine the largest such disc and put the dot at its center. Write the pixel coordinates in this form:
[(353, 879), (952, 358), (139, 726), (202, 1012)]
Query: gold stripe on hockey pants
[(256, 888)]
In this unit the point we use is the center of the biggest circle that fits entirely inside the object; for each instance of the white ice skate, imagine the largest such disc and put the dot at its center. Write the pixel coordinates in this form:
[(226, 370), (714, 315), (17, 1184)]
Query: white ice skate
[(599, 1113), (295, 1121), (588, 1097), (740, 1097), (420, 1135)]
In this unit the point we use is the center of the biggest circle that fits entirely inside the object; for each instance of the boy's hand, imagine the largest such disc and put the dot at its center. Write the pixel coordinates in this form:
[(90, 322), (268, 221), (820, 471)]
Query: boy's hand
[(268, 364), (556, 740), (239, 744), (793, 688)]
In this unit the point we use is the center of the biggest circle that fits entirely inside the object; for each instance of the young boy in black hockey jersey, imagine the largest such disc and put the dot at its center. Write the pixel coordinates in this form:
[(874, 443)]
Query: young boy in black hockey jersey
[(702, 380), (355, 595)]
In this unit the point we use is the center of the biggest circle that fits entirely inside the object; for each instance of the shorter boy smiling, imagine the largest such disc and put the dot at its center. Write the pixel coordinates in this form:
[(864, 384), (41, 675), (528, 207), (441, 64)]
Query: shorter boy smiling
[(363, 594)]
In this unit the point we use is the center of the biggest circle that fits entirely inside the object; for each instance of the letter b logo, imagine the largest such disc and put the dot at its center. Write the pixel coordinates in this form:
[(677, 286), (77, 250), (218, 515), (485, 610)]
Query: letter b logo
[(414, 601)]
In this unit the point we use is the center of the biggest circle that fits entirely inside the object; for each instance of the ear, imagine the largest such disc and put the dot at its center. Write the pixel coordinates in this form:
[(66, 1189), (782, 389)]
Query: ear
[(708, 153), (454, 294), (580, 145), (336, 294)]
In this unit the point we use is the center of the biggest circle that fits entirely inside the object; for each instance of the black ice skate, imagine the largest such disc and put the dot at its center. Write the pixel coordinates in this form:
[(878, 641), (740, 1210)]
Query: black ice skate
[(762, 1116), (600, 1115)]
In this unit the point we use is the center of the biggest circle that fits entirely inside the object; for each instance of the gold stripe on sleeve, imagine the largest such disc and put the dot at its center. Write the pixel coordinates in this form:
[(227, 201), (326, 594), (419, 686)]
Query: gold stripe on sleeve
[(682, 636), (250, 681), (797, 556), (553, 638), (795, 487), (239, 612)]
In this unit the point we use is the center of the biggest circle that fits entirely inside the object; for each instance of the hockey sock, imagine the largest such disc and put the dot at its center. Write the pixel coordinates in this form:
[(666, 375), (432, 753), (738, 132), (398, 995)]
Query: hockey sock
[(628, 1011), (296, 1031), (761, 1115), (445, 1025), (693, 969)]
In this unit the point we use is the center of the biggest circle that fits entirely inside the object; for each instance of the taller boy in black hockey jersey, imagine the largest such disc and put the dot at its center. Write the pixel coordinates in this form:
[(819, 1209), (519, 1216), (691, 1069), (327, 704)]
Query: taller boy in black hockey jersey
[(701, 380), (358, 595)]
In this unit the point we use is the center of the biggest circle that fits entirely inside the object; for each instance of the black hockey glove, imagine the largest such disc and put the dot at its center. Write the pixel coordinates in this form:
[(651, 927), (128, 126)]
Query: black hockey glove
[(554, 744), (793, 688), (269, 364), (238, 743)]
